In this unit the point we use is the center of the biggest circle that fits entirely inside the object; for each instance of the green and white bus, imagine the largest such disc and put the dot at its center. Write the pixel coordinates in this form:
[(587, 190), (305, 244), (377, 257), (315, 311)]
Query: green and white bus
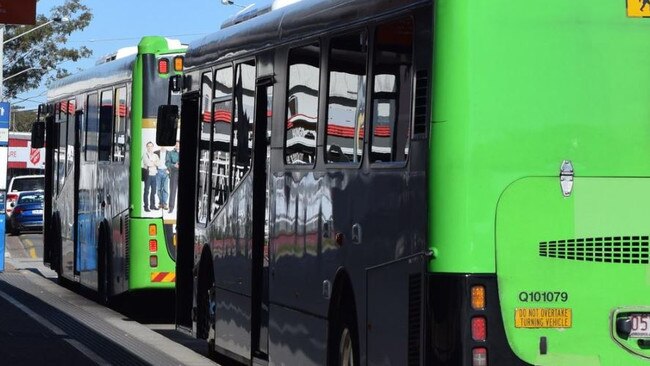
[(415, 182), (99, 230)]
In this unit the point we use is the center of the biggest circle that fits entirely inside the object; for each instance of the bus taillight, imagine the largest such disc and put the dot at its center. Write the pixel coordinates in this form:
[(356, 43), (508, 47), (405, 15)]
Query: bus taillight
[(153, 261), (153, 230), (163, 66), (478, 297), (153, 245), (479, 328), (479, 356), (178, 63)]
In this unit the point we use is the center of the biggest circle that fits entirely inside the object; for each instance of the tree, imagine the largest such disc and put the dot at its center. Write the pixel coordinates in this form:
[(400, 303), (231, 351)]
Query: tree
[(22, 120), (43, 49)]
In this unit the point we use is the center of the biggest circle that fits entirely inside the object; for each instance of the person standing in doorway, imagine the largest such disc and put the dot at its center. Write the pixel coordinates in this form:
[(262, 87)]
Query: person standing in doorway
[(162, 179), (171, 160), (150, 162)]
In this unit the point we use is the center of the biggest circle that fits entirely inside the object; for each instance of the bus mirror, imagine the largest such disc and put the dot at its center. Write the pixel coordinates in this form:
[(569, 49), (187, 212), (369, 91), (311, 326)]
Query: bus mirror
[(38, 135), (166, 125), (176, 83)]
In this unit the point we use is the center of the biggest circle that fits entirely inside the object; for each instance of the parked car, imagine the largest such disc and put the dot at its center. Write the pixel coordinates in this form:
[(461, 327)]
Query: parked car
[(21, 183), (27, 212)]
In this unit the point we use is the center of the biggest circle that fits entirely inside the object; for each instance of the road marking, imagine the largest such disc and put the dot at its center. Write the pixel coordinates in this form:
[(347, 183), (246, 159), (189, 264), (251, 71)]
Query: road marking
[(30, 248), (56, 330)]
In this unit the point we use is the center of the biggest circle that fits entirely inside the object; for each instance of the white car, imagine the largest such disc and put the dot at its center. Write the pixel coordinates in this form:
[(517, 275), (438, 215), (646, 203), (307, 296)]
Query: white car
[(22, 183)]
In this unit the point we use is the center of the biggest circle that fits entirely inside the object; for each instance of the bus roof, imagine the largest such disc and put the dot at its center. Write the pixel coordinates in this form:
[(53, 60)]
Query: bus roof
[(295, 21)]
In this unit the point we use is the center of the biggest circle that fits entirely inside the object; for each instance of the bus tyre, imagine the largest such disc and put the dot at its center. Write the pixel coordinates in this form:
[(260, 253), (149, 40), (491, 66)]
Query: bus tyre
[(344, 348)]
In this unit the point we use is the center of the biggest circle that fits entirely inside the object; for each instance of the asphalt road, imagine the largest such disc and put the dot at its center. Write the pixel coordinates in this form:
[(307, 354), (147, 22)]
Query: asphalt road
[(42, 323)]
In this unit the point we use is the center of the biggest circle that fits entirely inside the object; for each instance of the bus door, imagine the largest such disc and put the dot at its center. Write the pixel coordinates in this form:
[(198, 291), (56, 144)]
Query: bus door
[(78, 127), (260, 265)]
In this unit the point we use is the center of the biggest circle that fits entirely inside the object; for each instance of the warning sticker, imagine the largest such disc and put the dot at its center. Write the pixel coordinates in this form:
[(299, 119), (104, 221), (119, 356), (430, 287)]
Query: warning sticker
[(638, 8), (543, 318)]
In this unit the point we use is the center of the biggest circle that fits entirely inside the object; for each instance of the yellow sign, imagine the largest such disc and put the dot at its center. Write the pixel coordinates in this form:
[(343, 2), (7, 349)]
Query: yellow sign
[(543, 318), (638, 8)]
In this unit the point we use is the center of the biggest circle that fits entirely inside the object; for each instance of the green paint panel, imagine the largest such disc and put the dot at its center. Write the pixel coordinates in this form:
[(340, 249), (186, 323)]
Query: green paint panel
[(140, 271), (518, 87), (533, 211)]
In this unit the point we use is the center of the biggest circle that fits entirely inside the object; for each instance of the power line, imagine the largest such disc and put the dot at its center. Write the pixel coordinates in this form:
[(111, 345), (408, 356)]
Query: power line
[(132, 38)]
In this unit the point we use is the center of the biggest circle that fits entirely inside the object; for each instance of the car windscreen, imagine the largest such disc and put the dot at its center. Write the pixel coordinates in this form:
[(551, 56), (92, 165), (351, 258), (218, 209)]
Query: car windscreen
[(28, 184), (30, 198)]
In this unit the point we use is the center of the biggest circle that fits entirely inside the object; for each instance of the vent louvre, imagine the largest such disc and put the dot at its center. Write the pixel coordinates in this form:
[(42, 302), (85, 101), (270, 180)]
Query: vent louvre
[(420, 112), (415, 314), (127, 246), (608, 249)]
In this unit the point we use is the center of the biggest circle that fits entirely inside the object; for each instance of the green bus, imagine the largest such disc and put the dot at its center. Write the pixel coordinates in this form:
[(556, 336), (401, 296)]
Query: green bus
[(416, 182), (110, 190)]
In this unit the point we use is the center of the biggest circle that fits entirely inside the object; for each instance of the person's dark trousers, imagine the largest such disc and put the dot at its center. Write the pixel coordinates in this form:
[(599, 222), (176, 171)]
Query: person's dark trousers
[(173, 188), (149, 190)]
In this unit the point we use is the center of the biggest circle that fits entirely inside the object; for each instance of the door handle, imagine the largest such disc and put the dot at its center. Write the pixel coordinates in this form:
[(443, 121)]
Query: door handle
[(356, 234)]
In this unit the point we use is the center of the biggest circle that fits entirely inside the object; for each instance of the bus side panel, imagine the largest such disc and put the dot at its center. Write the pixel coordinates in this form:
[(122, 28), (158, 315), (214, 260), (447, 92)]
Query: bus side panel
[(296, 338)]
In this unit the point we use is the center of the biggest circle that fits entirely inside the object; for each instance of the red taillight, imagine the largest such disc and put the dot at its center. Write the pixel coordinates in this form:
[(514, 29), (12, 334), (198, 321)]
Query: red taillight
[(479, 328), (153, 245), (163, 66), (479, 356), (12, 197)]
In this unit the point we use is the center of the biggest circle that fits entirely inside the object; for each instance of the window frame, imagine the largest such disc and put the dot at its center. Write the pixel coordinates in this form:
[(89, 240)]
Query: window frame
[(287, 66), (101, 92), (126, 124), (372, 33)]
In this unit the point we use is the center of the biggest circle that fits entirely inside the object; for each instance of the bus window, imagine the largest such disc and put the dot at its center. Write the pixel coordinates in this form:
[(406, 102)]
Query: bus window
[(242, 134), (302, 105), (61, 126), (346, 99), (391, 97), (105, 126), (92, 128), (119, 133), (71, 136), (204, 149), (221, 138)]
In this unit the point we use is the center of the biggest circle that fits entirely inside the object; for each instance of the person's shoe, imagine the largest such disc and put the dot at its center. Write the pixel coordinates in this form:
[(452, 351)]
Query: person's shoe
[(146, 209), (170, 209), (165, 207), (155, 208)]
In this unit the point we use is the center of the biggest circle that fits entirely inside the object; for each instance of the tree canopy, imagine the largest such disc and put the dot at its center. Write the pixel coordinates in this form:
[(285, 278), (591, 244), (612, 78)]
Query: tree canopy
[(44, 49)]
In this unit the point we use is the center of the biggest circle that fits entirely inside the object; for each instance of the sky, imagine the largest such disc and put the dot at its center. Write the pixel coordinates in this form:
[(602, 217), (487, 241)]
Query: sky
[(121, 23)]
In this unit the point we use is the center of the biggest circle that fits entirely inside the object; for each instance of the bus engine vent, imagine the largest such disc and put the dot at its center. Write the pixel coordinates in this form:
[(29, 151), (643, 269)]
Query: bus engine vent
[(421, 103), (415, 314), (610, 249), (127, 246)]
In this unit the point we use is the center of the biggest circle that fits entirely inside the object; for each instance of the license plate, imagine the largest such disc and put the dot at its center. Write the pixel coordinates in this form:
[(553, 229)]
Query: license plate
[(37, 212), (640, 326), (543, 318)]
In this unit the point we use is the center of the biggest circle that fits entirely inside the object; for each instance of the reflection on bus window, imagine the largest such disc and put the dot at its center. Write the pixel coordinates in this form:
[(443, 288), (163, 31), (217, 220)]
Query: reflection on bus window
[(221, 138), (346, 99), (62, 124), (71, 136), (105, 126), (204, 149), (302, 105), (242, 133), (391, 98), (92, 128), (119, 134)]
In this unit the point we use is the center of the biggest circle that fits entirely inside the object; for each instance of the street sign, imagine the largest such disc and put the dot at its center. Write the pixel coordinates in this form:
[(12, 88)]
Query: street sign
[(5, 115), (18, 12)]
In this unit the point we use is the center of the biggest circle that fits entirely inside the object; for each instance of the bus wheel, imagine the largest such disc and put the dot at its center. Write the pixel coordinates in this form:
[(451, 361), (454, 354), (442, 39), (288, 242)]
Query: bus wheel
[(344, 348), (104, 285)]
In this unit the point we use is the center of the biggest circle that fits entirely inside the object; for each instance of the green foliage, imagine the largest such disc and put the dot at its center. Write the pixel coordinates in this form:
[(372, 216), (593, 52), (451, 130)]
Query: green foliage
[(44, 48), (21, 121)]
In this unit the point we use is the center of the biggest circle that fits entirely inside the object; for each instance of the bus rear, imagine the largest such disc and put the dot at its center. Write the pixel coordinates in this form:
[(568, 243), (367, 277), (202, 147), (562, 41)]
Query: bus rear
[(541, 144), (154, 169)]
